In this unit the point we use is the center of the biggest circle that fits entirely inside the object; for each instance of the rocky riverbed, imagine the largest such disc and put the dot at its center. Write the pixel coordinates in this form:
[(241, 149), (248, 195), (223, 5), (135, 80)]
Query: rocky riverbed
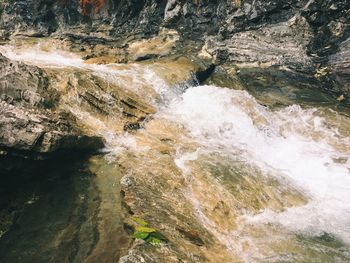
[(174, 131)]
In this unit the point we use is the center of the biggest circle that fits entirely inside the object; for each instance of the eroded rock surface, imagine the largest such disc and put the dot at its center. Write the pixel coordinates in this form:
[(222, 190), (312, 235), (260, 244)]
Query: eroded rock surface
[(28, 123), (283, 44), (34, 131), (21, 84)]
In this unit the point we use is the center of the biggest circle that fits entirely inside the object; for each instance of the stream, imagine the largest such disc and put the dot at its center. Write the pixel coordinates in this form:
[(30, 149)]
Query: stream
[(269, 184)]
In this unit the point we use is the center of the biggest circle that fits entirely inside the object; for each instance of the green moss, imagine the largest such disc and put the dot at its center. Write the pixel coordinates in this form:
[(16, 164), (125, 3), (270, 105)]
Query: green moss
[(148, 234), (139, 221), (153, 241), (145, 229), (140, 235)]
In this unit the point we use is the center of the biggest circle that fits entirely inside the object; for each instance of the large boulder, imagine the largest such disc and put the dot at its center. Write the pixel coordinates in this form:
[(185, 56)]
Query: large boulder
[(28, 122), (24, 85)]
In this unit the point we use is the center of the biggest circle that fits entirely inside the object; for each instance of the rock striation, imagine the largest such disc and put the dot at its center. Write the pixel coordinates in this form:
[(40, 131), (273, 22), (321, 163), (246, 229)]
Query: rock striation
[(28, 131), (28, 123)]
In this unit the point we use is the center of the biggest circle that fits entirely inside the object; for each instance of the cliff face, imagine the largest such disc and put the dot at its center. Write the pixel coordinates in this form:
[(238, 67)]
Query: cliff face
[(112, 17), (193, 18)]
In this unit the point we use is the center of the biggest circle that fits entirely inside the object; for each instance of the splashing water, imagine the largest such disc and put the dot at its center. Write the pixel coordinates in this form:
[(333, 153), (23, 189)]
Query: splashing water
[(231, 122)]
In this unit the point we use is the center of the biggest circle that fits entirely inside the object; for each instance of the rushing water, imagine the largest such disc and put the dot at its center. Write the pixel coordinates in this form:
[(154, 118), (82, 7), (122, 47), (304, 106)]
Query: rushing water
[(306, 149), (280, 142), (291, 143)]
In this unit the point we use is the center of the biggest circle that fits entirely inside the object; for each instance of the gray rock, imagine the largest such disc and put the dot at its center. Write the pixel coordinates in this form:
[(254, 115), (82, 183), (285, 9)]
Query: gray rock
[(27, 124), (33, 131), (22, 84), (172, 9), (340, 65), (126, 181), (283, 44)]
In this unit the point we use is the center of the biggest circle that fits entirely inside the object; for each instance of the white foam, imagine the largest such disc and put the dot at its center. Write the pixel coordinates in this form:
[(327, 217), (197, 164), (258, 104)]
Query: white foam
[(281, 142), (182, 159), (35, 55)]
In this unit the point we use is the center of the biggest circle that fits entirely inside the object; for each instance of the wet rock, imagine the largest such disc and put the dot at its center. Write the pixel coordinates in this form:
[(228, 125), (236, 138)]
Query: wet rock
[(145, 57), (145, 18), (28, 122), (25, 85), (92, 99), (131, 258), (282, 44), (191, 235), (297, 34), (44, 17), (202, 75), (330, 24), (340, 65), (177, 70), (157, 46), (126, 181), (225, 77), (33, 132), (172, 9), (105, 59)]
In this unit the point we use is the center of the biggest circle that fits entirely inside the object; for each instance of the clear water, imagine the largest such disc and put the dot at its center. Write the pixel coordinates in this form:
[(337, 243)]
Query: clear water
[(61, 212)]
